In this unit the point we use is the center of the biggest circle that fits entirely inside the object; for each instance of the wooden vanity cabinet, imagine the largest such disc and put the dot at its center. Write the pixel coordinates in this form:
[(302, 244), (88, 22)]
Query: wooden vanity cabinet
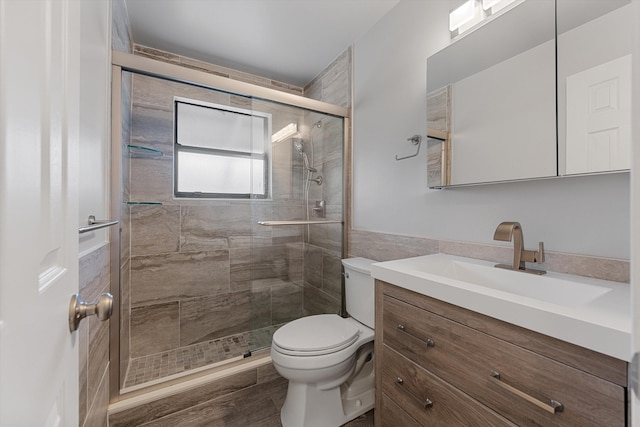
[(441, 365)]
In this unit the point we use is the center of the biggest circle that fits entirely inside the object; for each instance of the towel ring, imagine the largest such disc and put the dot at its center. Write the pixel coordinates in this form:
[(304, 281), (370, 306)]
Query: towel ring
[(415, 140)]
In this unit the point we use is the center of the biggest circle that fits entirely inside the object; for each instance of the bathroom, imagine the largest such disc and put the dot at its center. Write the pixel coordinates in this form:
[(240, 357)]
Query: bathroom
[(584, 221)]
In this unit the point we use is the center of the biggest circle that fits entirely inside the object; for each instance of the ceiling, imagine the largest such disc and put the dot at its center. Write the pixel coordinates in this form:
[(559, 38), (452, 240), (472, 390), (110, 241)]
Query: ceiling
[(286, 40)]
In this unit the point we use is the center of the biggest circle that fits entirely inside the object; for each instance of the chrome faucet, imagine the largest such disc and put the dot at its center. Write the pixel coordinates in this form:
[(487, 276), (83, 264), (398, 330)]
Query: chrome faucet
[(513, 230)]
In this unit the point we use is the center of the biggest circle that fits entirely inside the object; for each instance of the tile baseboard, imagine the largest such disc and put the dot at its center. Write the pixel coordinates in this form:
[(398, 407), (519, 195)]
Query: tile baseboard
[(386, 247)]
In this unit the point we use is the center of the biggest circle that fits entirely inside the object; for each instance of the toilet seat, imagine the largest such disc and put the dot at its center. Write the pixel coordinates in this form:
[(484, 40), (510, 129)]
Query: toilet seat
[(315, 335)]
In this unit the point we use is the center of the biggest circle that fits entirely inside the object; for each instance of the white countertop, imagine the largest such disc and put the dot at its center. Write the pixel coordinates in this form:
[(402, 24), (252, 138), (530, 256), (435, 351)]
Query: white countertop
[(598, 318)]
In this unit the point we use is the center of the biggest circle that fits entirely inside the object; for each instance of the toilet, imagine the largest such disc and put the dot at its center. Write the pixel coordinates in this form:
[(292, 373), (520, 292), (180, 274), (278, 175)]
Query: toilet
[(328, 359)]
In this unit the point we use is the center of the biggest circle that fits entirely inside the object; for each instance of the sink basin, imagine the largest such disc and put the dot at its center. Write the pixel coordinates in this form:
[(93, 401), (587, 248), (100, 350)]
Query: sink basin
[(591, 313), (543, 288)]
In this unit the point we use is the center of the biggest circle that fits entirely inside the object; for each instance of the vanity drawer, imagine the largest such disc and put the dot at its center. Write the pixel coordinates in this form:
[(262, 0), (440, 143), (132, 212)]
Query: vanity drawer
[(393, 415), (430, 400), (514, 382)]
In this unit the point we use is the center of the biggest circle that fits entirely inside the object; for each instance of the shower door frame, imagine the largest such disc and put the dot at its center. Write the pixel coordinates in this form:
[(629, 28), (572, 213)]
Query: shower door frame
[(126, 62)]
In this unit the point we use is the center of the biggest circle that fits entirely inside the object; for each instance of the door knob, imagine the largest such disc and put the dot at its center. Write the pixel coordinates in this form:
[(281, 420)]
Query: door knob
[(79, 309)]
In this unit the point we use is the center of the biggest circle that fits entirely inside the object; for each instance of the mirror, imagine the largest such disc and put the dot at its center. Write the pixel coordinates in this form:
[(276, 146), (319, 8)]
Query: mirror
[(499, 118), (491, 102), (595, 42)]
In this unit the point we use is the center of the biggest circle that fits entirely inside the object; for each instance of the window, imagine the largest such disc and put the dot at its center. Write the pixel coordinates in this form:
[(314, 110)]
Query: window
[(220, 151)]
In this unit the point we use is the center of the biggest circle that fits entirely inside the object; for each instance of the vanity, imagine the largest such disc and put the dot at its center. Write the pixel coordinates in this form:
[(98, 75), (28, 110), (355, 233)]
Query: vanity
[(459, 342), (515, 96)]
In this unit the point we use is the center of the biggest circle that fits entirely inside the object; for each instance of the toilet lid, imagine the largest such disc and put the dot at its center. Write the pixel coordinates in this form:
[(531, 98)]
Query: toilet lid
[(319, 334)]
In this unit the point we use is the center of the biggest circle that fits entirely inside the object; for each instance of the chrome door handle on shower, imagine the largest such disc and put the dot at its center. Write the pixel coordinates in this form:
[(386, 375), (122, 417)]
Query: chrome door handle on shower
[(79, 309)]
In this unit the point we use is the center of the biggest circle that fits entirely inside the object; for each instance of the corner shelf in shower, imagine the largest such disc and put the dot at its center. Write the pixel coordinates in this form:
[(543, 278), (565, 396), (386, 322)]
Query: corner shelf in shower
[(298, 222), (138, 151)]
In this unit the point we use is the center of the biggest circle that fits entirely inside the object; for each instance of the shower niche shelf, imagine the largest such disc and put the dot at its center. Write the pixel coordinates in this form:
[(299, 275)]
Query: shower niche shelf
[(140, 152), (298, 222), (143, 203)]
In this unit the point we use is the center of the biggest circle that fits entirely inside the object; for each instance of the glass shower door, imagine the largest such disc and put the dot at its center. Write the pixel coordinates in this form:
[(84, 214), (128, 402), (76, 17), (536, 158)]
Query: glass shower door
[(202, 282), (297, 231)]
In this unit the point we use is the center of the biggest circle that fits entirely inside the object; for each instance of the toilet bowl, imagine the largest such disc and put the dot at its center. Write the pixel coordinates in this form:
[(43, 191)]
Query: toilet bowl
[(328, 359)]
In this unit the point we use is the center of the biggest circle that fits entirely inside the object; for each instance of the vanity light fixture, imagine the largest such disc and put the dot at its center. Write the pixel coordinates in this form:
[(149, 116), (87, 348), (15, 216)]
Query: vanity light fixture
[(463, 16), (284, 133), (492, 6), (473, 13), (488, 4)]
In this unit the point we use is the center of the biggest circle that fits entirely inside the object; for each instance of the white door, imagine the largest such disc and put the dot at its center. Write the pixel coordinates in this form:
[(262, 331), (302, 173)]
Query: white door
[(599, 118), (39, 109)]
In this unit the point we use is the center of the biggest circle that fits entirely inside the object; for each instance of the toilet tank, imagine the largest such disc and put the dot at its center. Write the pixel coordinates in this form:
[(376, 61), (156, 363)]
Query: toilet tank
[(359, 289)]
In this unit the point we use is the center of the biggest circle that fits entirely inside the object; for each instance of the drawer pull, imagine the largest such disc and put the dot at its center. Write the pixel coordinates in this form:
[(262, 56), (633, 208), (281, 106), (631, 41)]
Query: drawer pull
[(427, 402), (429, 341), (553, 407)]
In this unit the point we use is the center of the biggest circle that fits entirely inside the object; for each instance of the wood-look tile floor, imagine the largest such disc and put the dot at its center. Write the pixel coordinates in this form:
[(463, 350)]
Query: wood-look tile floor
[(257, 406), (365, 420)]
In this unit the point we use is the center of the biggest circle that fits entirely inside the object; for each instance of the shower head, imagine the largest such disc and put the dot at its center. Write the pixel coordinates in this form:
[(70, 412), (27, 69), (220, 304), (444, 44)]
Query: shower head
[(297, 143)]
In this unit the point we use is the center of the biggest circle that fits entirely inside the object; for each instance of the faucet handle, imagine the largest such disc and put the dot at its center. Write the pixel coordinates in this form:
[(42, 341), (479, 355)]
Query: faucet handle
[(539, 255)]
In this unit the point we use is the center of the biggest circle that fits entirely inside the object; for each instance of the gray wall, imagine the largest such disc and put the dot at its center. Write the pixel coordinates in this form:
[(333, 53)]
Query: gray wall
[(581, 215)]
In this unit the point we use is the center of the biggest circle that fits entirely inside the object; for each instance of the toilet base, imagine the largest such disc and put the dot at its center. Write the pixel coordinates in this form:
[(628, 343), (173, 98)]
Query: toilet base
[(308, 406)]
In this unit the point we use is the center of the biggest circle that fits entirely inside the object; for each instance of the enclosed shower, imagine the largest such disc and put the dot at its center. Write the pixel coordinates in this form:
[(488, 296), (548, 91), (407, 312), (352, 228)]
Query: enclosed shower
[(231, 227)]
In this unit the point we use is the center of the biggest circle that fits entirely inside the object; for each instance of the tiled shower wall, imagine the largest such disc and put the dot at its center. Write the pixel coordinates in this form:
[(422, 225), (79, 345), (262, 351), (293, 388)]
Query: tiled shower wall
[(322, 254), (323, 247), (125, 229), (95, 279), (121, 41), (323, 268), (93, 341), (202, 269), (318, 261)]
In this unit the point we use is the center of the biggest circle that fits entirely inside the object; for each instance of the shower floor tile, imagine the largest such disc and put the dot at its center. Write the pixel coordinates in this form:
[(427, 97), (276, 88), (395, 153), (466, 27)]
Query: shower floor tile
[(168, 363)]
